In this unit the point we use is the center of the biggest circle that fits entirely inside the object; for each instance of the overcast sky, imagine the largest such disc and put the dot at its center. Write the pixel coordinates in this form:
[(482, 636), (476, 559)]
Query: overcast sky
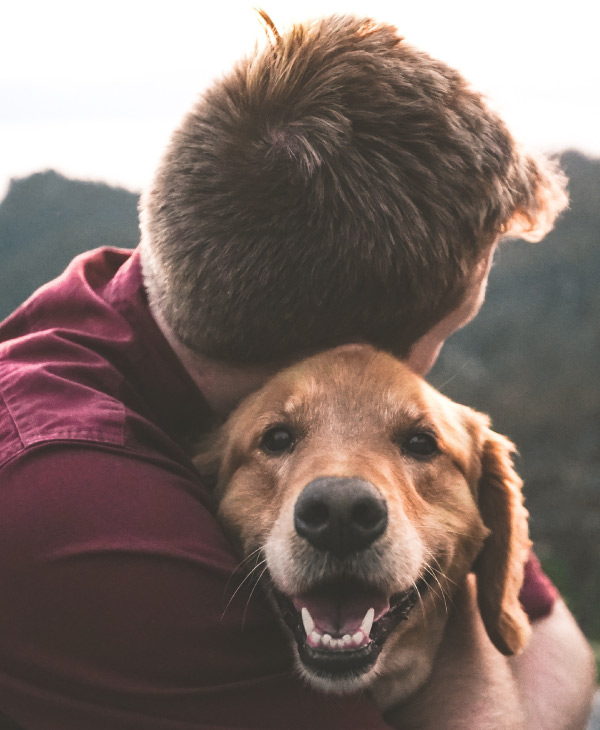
[(93, 89)]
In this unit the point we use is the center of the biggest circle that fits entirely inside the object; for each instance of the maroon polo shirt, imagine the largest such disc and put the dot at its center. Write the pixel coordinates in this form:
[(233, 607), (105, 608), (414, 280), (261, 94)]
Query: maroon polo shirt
[(116, 606)]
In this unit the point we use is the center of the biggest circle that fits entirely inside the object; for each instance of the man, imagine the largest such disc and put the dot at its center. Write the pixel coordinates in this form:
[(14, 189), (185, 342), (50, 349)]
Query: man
[(339, 186)]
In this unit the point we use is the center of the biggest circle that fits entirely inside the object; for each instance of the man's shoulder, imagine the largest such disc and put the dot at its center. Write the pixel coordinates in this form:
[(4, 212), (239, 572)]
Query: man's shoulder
[(52, 388), (59, 378), (84, 361)]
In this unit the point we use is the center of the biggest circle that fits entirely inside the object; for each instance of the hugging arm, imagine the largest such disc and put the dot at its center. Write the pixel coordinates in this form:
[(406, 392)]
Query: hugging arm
[(549, 686), (556, 673)]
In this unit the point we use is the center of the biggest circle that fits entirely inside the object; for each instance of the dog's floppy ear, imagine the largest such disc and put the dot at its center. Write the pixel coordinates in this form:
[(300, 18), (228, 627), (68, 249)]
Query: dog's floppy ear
[(500, 565)]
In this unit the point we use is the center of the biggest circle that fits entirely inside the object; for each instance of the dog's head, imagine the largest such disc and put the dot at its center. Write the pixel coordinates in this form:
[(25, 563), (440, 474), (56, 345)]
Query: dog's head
[(370, 496)]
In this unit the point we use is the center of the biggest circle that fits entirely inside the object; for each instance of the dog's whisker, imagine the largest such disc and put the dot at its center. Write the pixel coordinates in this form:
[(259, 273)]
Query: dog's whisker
[(429, 571), (442, 595), (240, 566), (421, 603), (254, 554), (440, 570), (450, 379), (461, 534), (449, 598), (446, 579), (251, 594), (246, 578), (435, 573)]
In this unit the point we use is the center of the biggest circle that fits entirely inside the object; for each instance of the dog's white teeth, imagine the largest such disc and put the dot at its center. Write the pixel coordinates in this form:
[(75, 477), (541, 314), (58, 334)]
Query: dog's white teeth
[(326, 641), (309, 624), (367, 623), (358, 638)]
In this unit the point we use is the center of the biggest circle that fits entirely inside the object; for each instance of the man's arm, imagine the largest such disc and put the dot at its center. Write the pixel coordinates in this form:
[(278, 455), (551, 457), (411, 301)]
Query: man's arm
[(556, 673), (471, 686), (548, 687)]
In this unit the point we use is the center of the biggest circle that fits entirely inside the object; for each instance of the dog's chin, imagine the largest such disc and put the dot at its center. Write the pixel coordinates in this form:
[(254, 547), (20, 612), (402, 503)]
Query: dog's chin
[(340, 628)]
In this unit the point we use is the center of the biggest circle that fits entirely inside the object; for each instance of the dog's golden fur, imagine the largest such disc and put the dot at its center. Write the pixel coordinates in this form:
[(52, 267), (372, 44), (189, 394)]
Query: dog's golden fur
[(458, 511)]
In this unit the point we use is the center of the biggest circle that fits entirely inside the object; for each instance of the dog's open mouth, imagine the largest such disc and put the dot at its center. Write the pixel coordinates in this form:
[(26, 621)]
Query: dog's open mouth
[(340, 627)]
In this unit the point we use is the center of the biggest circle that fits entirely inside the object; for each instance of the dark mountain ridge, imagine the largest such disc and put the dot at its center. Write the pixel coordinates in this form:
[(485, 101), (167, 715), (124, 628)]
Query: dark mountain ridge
[(47, 219)]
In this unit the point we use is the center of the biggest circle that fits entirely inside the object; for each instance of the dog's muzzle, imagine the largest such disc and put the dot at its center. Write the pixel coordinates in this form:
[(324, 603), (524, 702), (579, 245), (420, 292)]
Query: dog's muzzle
[(341, 622)]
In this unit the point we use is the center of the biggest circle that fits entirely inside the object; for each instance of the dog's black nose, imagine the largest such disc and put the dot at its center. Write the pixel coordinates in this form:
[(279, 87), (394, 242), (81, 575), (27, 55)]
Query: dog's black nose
[(340, 515)]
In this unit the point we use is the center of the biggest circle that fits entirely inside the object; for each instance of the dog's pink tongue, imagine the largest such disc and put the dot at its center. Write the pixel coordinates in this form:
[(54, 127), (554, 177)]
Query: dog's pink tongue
[(341, 612)]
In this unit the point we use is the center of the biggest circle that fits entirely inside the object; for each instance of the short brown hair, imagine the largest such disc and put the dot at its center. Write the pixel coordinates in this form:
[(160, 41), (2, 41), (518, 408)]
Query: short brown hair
[(338, 185)]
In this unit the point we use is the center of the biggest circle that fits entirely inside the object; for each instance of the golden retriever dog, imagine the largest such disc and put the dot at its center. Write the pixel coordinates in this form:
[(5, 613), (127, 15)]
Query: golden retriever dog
[(372, 500)]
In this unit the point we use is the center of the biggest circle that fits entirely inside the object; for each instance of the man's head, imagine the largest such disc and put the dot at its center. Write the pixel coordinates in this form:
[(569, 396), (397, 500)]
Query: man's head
[(336, 186)]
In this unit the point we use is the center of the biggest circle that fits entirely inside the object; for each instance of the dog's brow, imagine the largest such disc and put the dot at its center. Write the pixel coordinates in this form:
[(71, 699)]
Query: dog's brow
[(406, 410), (303, 397), (292, 405), (408, 417)]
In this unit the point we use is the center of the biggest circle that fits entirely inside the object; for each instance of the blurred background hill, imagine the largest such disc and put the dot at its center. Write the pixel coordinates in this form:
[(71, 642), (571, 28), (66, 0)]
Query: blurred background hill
[(46, 220), (531, 358)]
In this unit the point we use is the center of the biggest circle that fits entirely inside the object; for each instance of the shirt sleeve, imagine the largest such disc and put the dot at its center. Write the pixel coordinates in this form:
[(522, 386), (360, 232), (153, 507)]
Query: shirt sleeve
[(121, 607), (538, 593)]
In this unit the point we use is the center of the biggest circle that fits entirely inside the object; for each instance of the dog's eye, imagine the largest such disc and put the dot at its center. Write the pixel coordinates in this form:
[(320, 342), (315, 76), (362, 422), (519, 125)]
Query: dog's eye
[(277, 440), (421, 444)]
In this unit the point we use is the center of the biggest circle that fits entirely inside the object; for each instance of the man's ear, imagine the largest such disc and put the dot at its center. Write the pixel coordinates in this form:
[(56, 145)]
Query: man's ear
[(500, 565), (539, 195)]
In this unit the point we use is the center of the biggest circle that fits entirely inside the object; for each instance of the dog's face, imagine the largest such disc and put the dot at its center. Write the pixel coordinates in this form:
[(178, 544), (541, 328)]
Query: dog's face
[(370, 496)]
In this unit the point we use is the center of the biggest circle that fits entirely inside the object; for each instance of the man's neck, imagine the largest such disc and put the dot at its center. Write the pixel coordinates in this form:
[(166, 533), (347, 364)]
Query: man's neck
[(223, 385)]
